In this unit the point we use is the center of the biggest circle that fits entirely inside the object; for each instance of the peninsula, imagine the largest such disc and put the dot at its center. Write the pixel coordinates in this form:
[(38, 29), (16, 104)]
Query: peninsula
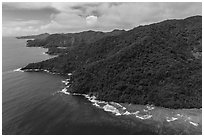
[(158, 64)]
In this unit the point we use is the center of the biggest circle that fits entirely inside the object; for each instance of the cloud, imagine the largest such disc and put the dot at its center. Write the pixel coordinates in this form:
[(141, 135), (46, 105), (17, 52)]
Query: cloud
[(20, 27), (75, 17), (26, 5), (22, 23), (19, 31)]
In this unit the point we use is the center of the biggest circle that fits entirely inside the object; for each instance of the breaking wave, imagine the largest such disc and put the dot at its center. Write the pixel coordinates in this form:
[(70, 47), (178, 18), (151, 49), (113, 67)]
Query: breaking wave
[(118, 109), (18, 70), (38, 70), (113, 107)]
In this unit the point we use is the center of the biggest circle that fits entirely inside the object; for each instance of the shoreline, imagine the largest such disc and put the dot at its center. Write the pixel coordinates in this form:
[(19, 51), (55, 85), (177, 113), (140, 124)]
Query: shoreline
[(38, 70), (172, 119), (144, 112), (135, 67), (66, 82), (191, 118)]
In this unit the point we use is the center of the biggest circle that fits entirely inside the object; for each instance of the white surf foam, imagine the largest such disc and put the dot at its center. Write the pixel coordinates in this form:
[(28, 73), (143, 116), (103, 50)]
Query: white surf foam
[(130, 113), (137, 115), (95, 104), (37, 70), (115, 108), (64, 90), (111, 109), (44, 53), (150, 107), (127, 113), (66, 81), (180, 115), (168, 119), (144, 116), (77, 94), (195, 124), (117, 104), (18, 70)]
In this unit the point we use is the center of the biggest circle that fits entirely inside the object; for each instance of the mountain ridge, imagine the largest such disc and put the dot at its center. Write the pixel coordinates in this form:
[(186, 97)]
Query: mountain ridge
[(156, 64)]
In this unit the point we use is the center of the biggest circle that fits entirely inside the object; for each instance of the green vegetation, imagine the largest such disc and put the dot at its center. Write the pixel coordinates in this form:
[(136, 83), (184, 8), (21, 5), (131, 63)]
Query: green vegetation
[(41, 36), (158, 64)]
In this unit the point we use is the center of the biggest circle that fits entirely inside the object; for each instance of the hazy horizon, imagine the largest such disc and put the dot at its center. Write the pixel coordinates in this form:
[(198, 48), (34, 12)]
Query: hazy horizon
[(30, 18)]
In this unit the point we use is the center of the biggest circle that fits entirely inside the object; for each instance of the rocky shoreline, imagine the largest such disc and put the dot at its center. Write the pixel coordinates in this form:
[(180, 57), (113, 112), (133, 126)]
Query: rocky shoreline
[(158, 64), (152, 64), (183, 121)]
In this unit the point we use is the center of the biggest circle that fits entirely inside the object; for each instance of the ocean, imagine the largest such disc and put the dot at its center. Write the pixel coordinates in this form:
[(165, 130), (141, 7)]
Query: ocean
[(33, 105)]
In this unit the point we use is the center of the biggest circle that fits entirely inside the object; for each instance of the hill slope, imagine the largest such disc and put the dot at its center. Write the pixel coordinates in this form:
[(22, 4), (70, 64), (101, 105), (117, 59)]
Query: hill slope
[(156, 64)]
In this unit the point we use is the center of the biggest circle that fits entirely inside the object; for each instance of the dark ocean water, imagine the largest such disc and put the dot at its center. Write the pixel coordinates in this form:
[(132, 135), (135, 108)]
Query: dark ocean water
[(32, 105)]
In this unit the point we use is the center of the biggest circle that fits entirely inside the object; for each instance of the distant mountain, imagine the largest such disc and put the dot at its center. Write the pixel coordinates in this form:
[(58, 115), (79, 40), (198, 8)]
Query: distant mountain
[(68, 40), (41, 36), (158, 64)]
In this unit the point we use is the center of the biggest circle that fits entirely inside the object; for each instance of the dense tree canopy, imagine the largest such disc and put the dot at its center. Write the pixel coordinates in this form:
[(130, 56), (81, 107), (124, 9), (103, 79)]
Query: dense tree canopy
[(156, 64)]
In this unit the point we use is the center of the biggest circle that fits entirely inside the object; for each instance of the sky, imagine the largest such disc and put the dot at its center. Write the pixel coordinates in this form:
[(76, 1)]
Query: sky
[(27, 18)]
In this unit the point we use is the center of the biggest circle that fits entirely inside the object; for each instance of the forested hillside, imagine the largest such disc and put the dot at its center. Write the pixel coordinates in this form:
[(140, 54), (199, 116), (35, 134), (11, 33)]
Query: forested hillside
[(158, 64)]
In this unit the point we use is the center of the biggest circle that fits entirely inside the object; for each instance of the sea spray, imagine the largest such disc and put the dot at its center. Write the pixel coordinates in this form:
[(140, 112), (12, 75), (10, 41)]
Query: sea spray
[(35, 70), (113, 107), (171, 119), (18, 70), (117, 109)]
